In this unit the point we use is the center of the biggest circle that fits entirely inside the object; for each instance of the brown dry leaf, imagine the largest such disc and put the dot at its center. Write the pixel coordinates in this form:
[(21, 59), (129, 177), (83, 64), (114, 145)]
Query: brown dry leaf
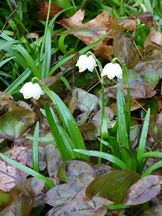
[(150, 64), (135, 104), (53, 160), (153, 43), (128, 24), (43, 9), (91, 31), (147, 18), (69, 198), (124, 49), (24, 197), (138, 89), (143, 190), (10, 176), (24, 156)]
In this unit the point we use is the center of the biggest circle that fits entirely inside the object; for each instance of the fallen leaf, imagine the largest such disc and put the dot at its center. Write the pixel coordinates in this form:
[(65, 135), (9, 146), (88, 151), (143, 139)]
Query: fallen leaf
[(143, 190), (43, 9), (154, 40), (86, 102), (147, 18), (24, 197), (15, 123), (152, 63), (128, 23), (138, 89), (112, 186), (53, 160), (154, 211), (125, 50), (92, 31), (81, 206), (10, 176)]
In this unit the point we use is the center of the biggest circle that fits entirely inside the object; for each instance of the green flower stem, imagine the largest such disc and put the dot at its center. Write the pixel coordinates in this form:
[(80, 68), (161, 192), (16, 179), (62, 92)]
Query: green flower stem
[(104, 131), (102, 115)]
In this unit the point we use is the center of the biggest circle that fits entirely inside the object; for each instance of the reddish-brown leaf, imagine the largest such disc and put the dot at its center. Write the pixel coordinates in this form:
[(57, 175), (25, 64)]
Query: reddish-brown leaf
[(43, 9), (93, 30)]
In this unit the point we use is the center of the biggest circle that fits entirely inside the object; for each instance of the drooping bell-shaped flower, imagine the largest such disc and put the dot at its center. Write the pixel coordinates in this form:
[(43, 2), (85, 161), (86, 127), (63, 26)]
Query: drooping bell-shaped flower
[(112, 70), (31, 90), (86, 62)]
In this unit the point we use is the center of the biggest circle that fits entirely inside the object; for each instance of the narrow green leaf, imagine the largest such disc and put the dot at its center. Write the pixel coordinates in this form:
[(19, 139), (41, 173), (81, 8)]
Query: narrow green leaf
[(142, 142), (35, 149), (122, 127), (60, 138), (152, 154), (68, 122), (18, 81), (5, 61), (47, 59), (103, 155), (152, 168)]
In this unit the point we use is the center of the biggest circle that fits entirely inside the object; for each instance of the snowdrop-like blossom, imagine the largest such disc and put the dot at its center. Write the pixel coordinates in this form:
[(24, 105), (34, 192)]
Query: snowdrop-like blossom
[(86, 62), (31, 90), (112, 70)]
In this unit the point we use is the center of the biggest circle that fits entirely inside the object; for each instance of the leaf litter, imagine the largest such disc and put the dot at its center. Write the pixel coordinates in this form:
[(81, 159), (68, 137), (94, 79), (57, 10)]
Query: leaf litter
[(83, 189)]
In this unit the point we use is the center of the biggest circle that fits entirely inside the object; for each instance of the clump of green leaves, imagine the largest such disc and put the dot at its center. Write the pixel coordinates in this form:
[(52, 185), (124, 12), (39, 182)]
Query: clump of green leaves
[(121, 153)]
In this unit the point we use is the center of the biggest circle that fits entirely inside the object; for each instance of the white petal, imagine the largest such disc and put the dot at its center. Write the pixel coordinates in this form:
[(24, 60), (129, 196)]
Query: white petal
[(30, 90), (86, 62), (112, 70), (118, 70), (109, 71), (82, 63), (91, 63)]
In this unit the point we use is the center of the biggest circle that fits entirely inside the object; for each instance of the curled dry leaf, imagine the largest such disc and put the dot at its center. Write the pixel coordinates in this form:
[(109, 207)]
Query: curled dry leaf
[(153, 41), (143, 190), (147, 18), (128, 23), (91, 31)]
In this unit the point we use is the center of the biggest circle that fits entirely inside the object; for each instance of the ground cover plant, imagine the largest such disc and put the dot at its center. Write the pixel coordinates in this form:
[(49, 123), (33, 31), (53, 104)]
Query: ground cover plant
[(80, 107)]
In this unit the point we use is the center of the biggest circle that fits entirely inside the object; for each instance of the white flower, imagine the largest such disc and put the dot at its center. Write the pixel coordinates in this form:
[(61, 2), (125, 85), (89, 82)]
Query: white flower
[(112, 70), (86, 62), (30, 90)]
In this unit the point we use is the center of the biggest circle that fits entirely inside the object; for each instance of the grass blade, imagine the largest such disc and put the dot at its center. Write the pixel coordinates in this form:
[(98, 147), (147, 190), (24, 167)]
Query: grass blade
[(35, 149), (152, 168), (122, 127), (103, 155), (65, 148), (142, 142)]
